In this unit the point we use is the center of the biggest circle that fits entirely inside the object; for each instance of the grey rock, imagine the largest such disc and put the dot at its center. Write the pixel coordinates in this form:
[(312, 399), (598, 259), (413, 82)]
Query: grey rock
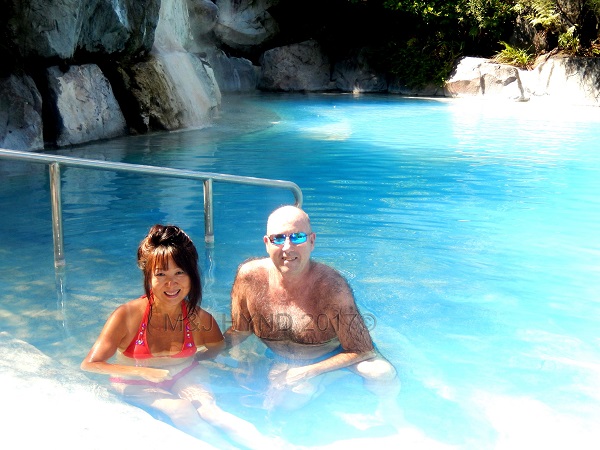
[(171, 91), (245, 23), (296, 67), (570, 80), (84, 105), (474, 77), (42, 29), (203, 17), (233, 74), (354, 74), (20, 114), (123, 27)]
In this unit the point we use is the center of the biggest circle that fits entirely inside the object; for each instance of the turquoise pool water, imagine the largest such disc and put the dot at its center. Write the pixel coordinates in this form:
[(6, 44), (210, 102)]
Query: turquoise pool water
[(468, 230)]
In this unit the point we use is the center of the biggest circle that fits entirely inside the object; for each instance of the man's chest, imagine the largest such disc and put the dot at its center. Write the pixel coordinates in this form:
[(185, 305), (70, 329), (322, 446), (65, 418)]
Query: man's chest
[(278, 320)]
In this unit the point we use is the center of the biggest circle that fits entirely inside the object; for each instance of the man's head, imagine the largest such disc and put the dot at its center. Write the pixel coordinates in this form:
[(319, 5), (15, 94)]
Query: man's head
[(289, 240)]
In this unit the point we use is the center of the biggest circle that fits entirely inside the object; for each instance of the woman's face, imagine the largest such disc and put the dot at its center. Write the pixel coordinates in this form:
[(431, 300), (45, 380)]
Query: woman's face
[(170, 284)]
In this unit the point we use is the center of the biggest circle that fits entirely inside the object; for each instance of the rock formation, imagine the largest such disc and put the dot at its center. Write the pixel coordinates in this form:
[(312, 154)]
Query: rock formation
[(561, 79), (81, 70)]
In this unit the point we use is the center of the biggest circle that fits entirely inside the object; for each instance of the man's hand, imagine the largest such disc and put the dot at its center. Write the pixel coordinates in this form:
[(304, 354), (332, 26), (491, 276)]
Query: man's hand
[(290, 377)]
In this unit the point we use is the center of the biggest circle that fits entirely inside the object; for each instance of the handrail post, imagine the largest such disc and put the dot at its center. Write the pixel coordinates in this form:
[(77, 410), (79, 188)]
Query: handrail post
[(209, 232), (54, 162), (57, 229)]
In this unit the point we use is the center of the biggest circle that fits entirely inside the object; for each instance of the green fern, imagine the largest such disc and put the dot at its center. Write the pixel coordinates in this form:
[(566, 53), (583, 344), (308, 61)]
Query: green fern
[(568, 40), (513, 56), (542, 13)]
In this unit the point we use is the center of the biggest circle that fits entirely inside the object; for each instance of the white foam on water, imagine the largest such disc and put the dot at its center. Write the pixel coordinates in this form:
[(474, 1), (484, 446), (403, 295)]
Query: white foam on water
[(46, 404), (526, 423)]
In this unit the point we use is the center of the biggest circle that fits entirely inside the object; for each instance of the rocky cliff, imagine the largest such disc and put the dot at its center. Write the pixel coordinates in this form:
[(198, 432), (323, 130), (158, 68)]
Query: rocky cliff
[(81, 70)]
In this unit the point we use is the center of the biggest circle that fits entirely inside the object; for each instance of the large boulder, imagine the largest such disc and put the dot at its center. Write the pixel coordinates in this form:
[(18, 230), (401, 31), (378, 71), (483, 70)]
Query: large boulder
[(124, 27), (38, 28), (204, 15), (20, 114), (561, 79), (243, 24), (83, 104), (169, 91), (233, 74), (57, 29), (502, 80), (296, 67), (481, 77), (465, 80), (354, 74), (571, 80)]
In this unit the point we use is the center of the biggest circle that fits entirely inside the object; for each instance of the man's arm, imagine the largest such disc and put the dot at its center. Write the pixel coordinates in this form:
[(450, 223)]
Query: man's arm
[(357, 343), (241, 319), (350, 328), (338, 361)]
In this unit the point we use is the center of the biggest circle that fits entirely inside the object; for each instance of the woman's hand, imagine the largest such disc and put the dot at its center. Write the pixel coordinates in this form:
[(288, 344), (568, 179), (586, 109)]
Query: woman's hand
[(154, 375)]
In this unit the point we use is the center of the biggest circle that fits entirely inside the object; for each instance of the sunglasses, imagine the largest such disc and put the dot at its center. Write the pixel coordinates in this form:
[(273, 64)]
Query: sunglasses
[(295, 238)]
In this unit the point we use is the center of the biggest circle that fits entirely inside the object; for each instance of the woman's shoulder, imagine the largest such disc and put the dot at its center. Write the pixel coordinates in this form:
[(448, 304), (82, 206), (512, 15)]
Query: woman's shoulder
[(201, 318), (138, 303), (131, 308), (201, 313)]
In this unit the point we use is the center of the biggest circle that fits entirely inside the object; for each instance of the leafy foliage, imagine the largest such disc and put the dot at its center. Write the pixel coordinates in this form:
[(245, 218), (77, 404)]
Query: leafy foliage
[(432, 34), (568, 40), (542, 13), (514, 56), (419, 62), (439, 32), (574, 22)]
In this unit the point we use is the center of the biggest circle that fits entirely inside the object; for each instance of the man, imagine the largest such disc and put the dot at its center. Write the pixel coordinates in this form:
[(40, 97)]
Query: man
[(304, 311)]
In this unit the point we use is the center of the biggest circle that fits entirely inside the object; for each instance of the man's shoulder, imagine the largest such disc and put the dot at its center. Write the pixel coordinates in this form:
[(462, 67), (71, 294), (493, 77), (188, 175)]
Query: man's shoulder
[(322, 269), (327, 277), (252, 266)]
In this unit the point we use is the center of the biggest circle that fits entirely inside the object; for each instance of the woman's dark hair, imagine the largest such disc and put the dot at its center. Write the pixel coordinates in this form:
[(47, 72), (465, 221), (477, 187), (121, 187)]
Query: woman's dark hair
[(161, 242)]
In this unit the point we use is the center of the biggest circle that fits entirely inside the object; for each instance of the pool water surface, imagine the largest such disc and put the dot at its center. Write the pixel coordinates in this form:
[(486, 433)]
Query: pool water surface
[(469, 231)]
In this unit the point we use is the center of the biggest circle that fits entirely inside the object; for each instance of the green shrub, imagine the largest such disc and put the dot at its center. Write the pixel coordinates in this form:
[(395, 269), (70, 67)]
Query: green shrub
[(568, 41), (513, 56), (421, 61)]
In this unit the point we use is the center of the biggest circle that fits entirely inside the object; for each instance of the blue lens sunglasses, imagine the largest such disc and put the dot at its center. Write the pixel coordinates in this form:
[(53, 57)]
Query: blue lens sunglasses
[(295, 238)]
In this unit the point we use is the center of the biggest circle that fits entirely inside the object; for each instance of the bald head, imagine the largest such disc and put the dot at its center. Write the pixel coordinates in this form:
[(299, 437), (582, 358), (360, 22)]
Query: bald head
[(287, 215)]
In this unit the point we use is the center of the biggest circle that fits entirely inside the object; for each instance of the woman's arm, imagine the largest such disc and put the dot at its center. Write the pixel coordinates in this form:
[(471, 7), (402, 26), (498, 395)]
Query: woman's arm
[(114, 332), (208, 333)]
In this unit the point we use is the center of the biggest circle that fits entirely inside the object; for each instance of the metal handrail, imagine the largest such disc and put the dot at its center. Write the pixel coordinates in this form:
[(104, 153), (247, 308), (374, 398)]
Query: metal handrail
[(55, 161)]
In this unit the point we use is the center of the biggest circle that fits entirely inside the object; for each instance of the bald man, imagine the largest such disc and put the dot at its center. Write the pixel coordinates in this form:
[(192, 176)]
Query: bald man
[(304, 311)]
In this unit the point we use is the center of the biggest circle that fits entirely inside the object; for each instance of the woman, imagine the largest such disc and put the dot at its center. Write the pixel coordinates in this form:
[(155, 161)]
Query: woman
[(159, 338)]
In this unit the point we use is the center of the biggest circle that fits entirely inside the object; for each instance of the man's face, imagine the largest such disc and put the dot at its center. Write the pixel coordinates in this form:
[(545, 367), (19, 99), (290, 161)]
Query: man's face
[(289, 257)]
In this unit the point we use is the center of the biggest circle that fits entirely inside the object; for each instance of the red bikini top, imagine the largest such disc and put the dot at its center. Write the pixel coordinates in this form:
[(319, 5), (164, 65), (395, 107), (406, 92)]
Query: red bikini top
[(139, 349)]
